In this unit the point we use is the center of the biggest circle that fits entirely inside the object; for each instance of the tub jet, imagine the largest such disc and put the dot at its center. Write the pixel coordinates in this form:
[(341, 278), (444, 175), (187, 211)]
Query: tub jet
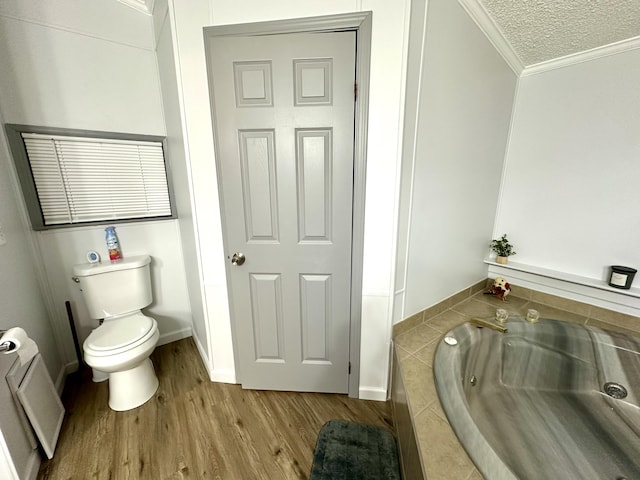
[(614, 390)]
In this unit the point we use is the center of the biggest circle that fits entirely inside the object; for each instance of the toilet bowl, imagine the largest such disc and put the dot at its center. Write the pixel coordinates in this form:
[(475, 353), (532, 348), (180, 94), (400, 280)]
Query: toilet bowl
[(121, 347)]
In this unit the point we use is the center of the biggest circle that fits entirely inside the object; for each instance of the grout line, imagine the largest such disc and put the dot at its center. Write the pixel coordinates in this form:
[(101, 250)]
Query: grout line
[(473, 470), (419, 359), (422, 323), (421, 411), (437, 414), (404, 350)]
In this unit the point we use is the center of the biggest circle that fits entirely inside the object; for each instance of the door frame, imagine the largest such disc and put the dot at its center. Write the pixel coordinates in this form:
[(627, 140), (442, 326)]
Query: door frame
[(360, 23)]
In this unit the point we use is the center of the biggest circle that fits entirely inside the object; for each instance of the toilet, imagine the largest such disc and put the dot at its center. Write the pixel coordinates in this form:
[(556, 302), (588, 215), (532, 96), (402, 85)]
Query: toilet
[(121, 345)]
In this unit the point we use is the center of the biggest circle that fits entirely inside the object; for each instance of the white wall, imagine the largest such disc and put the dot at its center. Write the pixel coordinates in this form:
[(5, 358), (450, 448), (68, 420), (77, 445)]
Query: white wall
[(415, 49), (462, 122), (187, 21), (167, 70), (62, 66), (22, 304), (90, 66), (570, 195), (385, 104), (63, 248)]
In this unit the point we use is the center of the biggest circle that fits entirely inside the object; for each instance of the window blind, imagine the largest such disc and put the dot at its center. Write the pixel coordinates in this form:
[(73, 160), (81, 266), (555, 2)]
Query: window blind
[(81, 179)]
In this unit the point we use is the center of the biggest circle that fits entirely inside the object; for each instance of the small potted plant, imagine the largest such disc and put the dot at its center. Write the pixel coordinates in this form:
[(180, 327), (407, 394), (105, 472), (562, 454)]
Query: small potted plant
[(502, 248)]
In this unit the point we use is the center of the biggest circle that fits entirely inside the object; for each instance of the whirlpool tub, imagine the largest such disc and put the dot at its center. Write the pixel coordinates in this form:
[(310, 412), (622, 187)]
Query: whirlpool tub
[(544, 400)]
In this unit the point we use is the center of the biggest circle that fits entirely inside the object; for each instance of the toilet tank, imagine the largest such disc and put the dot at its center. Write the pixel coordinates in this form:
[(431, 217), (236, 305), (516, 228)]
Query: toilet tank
[(111, 289)]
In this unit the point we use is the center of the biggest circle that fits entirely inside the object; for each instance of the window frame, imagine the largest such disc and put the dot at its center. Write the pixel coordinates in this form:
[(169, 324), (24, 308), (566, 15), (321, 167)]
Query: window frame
[(27, 183)]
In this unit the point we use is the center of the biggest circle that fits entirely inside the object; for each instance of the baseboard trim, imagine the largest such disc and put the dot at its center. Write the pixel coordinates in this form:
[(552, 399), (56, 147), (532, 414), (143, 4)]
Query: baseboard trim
[(204, 356), (62, 375), (174, 336), (223, 376), (373, 393), (219, 376)]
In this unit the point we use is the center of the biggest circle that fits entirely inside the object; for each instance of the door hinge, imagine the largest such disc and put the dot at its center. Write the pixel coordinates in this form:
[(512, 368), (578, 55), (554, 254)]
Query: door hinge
[(349, 368), (355, 90)]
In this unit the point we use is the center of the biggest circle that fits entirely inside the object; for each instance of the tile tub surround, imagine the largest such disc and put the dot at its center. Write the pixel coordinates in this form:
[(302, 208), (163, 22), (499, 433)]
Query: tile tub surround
[(441, 454)]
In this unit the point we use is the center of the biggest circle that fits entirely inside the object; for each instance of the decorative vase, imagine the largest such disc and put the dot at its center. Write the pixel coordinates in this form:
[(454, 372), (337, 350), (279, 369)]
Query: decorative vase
[(501, 260)]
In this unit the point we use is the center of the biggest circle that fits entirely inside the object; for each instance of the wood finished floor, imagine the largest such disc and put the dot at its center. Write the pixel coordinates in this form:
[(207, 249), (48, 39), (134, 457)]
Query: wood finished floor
[(195, 429)]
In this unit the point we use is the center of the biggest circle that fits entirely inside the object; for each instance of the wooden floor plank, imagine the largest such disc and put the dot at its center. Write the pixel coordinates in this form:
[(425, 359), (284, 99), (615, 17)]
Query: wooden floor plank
[(195, 429)]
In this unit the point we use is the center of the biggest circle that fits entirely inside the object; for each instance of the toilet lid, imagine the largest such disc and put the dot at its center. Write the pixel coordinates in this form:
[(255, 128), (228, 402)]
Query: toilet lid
[(119, 333)]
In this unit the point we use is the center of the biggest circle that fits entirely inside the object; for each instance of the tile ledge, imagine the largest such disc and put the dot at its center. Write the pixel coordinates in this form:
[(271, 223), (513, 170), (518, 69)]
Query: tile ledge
[(564, 276)]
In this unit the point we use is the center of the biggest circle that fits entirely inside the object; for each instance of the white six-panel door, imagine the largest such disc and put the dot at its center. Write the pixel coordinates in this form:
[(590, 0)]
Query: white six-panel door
[(284, 132)]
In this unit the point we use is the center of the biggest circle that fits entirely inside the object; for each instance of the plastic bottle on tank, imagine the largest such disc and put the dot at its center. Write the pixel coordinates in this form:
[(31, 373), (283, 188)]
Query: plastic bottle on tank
[(112, 244)]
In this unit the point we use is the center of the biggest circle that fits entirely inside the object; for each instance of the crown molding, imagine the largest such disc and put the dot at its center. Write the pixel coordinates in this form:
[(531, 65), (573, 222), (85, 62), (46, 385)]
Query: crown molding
[(574, 58), (493, 33), (144, 6)]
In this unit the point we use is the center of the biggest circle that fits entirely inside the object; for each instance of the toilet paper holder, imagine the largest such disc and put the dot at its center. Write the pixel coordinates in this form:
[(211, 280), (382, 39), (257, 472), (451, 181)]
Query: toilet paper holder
[(5, 346)]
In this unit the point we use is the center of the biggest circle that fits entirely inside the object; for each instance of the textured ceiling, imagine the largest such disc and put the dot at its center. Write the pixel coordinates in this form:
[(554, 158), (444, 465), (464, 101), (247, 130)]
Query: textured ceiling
[(540, 30)]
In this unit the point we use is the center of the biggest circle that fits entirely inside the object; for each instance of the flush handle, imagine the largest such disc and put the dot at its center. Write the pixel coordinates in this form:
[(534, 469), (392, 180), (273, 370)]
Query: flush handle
[(75, 279), (237, 259)]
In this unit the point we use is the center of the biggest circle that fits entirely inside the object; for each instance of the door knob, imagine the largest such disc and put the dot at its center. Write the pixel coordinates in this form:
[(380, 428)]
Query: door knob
[(238, 259)]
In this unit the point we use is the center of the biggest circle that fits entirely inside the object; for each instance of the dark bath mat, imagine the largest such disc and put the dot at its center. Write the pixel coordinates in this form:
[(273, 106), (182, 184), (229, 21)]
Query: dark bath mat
[(351, 451)]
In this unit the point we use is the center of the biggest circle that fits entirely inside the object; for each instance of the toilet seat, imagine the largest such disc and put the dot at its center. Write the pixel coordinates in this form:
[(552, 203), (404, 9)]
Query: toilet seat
[(115, 336)]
